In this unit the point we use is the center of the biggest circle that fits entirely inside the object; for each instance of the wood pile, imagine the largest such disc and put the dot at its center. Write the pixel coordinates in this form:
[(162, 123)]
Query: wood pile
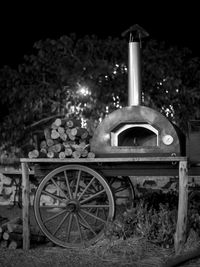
[(64, 139), (11, 234)]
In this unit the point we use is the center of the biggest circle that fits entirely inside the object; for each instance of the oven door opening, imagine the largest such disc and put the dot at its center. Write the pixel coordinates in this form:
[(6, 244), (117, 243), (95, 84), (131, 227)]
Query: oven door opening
[(135, 135)]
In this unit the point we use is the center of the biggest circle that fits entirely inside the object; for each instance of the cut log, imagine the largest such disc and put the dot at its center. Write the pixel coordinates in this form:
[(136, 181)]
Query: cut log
[(63, 136), (91, 155), (58, 122), (43, 144), (71, 137), (61, 155), (61, 130), (68, 152), (74, 131), (84, 135), (14, 244), (13, 236), (54, 126), (43, 150), (47, 133), (6, 226), (33, 154), (68, 131), (50, 154), (15, 226), (55, 134), (56, 148), (4, 244), (66, 144), (76, 154), (16, 220), (76, 147), (50, 142), (84, 153), (69, 124), (5, 236)]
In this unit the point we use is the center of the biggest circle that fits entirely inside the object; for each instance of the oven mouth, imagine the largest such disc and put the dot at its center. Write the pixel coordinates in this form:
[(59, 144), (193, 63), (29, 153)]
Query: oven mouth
[(135, 135)]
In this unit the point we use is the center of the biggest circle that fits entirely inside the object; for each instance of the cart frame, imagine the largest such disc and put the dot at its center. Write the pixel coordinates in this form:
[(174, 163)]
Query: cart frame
[(180, 235)]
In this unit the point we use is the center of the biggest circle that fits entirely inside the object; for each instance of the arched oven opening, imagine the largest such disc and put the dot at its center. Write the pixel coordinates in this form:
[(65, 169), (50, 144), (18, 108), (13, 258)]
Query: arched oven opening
[(135, 135)]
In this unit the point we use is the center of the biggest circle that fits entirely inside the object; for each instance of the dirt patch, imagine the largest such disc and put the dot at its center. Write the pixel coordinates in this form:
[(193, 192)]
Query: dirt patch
[(118, 253)]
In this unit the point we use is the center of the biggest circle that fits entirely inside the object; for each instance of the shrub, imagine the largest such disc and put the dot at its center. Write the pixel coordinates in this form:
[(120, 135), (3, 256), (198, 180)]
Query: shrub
[(149, 218)]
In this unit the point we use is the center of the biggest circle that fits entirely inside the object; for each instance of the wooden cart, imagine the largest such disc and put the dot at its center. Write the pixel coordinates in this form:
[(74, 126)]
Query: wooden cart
[(75, 200)]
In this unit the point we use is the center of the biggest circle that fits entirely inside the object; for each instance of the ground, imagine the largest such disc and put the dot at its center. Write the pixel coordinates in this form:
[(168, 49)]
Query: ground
[(135, 252)]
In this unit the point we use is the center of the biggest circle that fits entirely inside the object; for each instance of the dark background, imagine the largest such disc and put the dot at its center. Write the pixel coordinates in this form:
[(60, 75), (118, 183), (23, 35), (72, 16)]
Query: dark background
[(22, 24)]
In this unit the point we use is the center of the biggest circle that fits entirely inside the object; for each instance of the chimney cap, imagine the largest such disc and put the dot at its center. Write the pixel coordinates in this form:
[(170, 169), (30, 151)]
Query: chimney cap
[(136, 32)]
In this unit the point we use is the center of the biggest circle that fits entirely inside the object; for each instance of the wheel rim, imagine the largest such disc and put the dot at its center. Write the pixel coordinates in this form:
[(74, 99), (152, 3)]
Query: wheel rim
[(72, 205), (123, 191)]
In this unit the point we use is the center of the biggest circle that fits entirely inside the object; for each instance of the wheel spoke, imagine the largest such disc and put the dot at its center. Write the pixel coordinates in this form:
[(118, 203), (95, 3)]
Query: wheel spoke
[(86, 223), (54, 216), (88, 211), (78, 225), (59, 188), (53, 196), (119, 189), (91, 181), (93, 196), (77, 184), (69, 226), (68, 186), (104, 212), (112, 180), (94, 216), (97, 214), (60, 224)]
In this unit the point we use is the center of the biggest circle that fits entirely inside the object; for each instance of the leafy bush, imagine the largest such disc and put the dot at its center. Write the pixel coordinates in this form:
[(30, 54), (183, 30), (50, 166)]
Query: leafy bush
[(154, 217), (149, 218)]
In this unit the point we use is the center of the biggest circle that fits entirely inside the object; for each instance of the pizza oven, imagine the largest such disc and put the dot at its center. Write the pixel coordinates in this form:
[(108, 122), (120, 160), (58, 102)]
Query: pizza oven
[(136, 130)]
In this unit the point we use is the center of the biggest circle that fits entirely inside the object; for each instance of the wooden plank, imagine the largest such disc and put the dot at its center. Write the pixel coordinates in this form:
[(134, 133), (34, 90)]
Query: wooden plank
[(25, 206), (11, 171), (86, 160), (180, 235)]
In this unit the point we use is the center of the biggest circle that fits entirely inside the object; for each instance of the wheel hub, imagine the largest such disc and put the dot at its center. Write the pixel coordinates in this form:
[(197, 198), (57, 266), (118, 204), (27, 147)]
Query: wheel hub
[(73, 206)]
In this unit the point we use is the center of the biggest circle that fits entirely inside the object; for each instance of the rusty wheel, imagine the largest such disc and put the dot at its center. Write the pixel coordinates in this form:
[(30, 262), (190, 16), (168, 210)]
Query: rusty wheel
[(72, 206)]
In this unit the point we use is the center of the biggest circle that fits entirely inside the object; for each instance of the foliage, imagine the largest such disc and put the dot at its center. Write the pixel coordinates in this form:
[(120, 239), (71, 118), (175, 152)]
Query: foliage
[(154, 217), (155, 221), (171, 82), (87, 78), (194, 211)]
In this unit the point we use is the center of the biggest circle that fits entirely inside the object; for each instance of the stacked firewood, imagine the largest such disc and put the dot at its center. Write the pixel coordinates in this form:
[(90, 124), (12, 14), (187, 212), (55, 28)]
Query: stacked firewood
[(11, 234), (64, 139)]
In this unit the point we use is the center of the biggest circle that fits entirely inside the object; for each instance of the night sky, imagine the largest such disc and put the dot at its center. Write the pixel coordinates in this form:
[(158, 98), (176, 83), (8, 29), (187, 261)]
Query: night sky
[(24, 24)]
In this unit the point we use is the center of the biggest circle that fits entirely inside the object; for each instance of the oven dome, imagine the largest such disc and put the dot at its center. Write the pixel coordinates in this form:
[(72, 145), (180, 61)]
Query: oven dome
[(132, 131)]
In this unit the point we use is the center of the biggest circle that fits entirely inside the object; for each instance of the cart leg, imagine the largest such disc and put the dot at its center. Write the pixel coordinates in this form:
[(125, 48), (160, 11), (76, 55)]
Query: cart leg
[(25, 205), (180, 235)]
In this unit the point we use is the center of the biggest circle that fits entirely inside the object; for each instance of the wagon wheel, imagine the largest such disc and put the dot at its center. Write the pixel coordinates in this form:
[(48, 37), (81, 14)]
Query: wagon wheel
[(123, 192), (72, 206)]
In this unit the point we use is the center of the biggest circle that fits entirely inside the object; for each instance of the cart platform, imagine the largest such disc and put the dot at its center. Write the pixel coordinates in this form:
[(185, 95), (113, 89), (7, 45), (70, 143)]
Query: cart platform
[(127, 165)]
